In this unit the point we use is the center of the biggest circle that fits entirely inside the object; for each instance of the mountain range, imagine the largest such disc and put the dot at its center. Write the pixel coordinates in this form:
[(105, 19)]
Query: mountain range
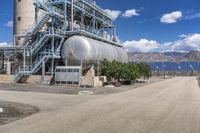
[(192, 56)]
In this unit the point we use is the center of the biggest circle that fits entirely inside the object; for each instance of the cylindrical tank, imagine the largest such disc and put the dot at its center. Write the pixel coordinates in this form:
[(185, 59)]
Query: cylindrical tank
[(24, 16), (78, 48)]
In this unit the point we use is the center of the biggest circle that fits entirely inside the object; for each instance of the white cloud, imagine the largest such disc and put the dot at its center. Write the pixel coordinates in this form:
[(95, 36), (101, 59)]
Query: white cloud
[(130, 13), (9, 24), (185, 44), (182, 35), (188, 43), (113, 13), (5, 44), (193, 16), (172, 17), (142, 45)]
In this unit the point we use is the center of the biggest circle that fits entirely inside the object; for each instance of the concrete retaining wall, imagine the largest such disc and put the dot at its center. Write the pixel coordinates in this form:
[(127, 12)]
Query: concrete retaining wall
[(33, 79)]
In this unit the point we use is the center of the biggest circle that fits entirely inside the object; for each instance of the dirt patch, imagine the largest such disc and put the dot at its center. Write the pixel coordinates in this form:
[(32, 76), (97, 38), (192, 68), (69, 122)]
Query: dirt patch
[(15, 111)]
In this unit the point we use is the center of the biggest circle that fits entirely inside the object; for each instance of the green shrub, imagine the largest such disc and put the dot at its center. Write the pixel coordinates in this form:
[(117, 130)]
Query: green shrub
[(117, 71)]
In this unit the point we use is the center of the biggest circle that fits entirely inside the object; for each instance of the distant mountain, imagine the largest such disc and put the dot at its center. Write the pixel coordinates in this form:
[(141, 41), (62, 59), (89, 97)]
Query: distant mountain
[(166, 57), (175, 54), (193, 55)]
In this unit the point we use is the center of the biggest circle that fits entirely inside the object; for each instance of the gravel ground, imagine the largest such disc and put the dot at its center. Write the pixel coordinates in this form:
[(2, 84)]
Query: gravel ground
[(15, 111)]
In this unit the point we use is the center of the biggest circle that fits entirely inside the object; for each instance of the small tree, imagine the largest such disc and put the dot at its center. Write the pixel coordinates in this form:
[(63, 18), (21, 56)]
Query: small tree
[(144, 70), (117, 71)]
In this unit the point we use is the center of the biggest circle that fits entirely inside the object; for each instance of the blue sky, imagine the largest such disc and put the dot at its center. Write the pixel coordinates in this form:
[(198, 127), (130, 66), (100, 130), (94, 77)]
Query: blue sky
[(147, 24), (6, 15), (142, 25)]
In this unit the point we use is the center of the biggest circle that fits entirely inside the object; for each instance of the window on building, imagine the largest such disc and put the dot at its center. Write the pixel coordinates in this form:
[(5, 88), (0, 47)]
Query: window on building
[(70, 70), (75, 83), (19, 18), (63, 82), (69, 82), (64, 70), (57, 70), (76, 70), (57, 82)]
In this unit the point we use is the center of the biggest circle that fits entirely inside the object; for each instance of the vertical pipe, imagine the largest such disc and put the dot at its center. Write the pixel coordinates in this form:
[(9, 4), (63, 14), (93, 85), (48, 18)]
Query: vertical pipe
[(81, 73), (66, 63), (52, 63), (24, 62), (82, 21), (52, 51), (65, 12), (72, 14), (36, 14), (31, 60), (94, 21), (98, 68), (3, 60), (43, 71)]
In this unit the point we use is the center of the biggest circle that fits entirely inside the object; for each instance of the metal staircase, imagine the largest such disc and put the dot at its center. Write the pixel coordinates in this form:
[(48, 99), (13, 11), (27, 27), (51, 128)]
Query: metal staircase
[(39, 23), (46, 14), (37, 38), (22, 73)]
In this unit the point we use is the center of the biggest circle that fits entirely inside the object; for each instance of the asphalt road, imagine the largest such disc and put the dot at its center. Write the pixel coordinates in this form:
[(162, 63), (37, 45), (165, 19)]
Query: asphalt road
[(170, 106)]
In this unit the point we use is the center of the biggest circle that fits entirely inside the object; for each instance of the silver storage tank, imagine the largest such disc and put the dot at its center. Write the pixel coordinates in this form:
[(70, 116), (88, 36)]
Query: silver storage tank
[(78, 48)]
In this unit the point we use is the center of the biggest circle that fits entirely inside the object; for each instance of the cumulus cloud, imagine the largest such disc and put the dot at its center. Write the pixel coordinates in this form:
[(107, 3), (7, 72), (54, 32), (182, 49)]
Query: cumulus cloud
[(186, 43), (172, 17), (5, 44), (113, 13), (9, 24), (130, 13), (142, 45)]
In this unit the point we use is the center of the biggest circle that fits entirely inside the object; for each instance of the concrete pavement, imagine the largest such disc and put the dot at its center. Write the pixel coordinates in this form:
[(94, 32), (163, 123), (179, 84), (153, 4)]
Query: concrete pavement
[(171, 106)]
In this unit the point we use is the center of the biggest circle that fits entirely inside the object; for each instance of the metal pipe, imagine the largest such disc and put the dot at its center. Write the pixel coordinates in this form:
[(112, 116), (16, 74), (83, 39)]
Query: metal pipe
[(43, 71), (65, 11), (52, 62), (72, 14), (24, 62)]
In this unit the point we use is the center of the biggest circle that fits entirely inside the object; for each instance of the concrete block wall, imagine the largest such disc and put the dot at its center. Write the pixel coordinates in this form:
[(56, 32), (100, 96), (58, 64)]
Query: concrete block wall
[(97, 82), (91, 80), (6, 79), (33, 79), (36, 79)]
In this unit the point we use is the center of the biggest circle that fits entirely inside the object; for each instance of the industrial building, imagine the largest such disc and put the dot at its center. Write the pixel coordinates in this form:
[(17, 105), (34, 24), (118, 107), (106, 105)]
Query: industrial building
[(55, 33)]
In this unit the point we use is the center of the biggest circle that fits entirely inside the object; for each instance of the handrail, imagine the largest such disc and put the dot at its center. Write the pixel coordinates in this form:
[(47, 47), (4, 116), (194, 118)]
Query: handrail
[(45, 53), (43, 16), (29, 69), (89, 29), (32, 27), (41, 36)]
